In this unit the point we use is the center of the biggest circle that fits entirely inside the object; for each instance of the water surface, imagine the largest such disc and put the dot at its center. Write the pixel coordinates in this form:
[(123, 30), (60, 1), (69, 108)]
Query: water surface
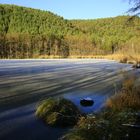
[(23, 83)]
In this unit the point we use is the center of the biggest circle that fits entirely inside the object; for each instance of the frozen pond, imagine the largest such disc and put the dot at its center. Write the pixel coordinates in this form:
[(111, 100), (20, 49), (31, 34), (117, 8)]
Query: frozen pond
[(23, 83)]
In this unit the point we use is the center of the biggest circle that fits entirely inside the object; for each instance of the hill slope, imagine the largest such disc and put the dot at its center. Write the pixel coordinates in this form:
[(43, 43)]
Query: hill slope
[(31, 33), (16, 19), (110, 32)]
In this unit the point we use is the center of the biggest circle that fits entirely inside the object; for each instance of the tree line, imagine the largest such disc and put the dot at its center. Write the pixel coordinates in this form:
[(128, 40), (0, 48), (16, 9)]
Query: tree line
[(31, 33)]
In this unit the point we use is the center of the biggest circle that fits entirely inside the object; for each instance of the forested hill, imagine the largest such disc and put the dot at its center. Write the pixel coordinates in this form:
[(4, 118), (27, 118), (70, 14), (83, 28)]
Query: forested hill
[(113, 23), (16, 19), (31, 33), (109, 32)]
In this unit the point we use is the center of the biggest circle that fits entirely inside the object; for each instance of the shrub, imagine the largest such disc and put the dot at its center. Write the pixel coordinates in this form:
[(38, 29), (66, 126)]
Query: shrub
[(105, 126), (58, 112), (127, 98), (87, 129), (124, 60)]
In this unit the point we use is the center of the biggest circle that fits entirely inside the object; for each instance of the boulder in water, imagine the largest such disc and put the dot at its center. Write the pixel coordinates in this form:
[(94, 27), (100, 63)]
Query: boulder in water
[(86, 101), (136, 66)]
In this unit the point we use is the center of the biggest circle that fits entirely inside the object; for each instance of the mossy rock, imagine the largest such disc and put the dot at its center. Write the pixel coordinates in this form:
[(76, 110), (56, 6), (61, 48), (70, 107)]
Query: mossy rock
[(58, 112)]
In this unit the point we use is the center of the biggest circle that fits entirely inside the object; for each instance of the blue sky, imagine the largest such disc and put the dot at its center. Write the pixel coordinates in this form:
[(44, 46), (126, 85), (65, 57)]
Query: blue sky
[(77, 9)]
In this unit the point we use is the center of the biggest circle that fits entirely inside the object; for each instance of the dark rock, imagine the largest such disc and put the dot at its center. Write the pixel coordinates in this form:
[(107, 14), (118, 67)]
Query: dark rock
[(86, 102), (136, 66)]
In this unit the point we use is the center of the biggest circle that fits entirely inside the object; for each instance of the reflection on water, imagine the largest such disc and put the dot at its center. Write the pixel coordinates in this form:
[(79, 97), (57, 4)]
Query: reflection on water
[(98, 98), (31, 80)]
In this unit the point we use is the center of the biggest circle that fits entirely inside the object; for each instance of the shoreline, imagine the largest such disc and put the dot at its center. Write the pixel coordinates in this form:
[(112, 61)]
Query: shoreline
[(123, 58)]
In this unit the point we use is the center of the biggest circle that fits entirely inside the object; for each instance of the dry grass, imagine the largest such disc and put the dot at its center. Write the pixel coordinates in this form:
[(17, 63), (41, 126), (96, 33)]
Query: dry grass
[(125, 55), (127, 98), (50, 57), (58, 112), (123, 58)]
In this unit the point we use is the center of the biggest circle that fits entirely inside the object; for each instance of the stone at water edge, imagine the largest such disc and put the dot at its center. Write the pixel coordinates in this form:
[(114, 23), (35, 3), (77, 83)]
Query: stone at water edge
[(86, 101), (136, 66)]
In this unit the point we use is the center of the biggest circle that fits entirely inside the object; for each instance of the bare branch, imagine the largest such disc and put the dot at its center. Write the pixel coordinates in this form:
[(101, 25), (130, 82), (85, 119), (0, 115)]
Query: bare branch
[(136, 8)]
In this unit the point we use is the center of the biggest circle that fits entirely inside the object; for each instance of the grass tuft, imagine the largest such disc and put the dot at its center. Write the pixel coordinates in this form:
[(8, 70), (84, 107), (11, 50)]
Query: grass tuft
[(58, 112), (128, 97)]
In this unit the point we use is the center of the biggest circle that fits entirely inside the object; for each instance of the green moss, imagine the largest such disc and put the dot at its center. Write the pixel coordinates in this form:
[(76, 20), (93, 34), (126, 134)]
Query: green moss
[(58, 112)]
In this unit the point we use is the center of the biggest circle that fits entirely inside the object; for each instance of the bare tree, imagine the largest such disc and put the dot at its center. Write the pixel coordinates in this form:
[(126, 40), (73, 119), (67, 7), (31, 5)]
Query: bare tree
[(136, 7)]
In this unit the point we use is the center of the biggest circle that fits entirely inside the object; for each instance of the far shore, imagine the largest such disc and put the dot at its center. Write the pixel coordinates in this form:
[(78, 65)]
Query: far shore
[(123, 58)]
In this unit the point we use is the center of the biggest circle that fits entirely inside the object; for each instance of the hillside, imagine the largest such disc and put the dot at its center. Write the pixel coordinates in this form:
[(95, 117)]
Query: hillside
[(110, 32), (28, 33), (31, 33), (15, 19)]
